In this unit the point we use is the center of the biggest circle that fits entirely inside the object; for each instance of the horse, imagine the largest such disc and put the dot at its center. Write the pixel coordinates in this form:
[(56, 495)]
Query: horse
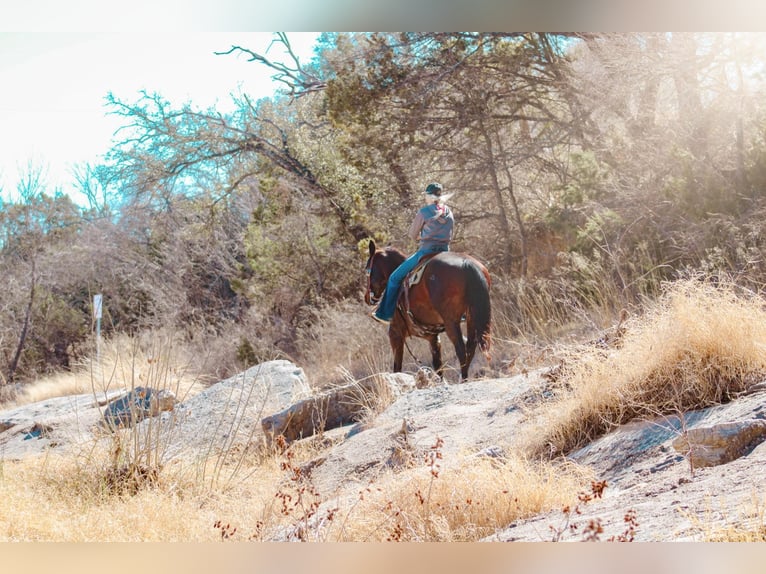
[(452, 286)]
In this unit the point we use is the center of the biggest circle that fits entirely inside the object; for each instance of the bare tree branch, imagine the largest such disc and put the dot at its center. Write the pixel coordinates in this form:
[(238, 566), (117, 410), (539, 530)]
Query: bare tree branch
[(297, 79)]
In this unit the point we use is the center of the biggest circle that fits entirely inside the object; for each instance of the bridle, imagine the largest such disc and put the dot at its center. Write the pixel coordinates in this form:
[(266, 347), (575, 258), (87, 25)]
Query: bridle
[(369, 295)]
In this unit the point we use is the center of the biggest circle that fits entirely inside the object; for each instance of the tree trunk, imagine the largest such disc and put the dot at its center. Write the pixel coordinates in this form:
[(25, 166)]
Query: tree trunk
[(523, 239), (502, 215), (14, 365), (686, 81)]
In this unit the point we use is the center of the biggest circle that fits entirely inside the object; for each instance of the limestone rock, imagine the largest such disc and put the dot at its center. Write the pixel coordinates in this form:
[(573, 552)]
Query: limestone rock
[(722, 443), (230, 412), (337, 407)]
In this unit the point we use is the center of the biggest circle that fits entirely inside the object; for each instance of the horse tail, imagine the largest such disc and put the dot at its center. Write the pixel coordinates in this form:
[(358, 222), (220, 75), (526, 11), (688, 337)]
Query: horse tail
[(479, 308)]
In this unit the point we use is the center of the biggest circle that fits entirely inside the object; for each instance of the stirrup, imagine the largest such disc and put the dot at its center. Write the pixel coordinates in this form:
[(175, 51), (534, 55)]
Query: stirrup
[(380, 319)]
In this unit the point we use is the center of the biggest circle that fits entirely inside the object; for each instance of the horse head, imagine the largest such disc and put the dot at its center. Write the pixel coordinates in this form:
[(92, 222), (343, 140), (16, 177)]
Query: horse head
[(380, 265)]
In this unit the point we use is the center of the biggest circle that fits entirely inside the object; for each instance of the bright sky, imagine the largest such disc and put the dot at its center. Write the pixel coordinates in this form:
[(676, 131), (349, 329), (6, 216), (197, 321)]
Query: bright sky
[(52, 96)]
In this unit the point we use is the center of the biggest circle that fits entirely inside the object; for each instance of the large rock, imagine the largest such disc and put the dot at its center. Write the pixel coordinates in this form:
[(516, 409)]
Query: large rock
[(229, 412), (721, 443), (57, 423), (473, 417), (337, 407), (224, 414), (650, 470)]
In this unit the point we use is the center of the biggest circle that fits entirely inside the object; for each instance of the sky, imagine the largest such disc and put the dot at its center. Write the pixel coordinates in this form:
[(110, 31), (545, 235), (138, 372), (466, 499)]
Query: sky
[(53, 113)]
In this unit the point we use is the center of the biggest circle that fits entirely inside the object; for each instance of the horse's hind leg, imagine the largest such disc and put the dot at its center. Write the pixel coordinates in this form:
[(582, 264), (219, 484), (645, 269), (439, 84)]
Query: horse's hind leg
[(456, 336), (470, 351), (471, 343), (436, 354)]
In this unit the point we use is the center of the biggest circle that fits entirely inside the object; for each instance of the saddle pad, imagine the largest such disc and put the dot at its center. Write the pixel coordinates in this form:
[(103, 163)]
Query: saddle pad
[(417, 274)]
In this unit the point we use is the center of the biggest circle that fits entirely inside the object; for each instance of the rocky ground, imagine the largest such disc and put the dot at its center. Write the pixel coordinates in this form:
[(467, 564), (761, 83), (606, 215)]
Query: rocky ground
[(652, 493)]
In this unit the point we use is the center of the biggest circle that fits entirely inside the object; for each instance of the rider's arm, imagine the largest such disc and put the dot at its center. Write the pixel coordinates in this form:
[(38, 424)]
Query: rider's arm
[(416, 226)]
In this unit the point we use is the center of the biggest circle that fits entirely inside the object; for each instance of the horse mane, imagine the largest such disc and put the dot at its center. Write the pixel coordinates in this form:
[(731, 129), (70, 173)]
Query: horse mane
[(392, 249)]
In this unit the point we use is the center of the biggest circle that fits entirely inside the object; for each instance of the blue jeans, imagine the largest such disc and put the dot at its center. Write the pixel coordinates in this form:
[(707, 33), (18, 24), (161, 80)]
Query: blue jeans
[(388, 305)]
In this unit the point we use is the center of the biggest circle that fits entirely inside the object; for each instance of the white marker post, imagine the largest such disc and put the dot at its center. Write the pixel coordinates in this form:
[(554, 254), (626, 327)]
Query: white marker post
[(97, 298)]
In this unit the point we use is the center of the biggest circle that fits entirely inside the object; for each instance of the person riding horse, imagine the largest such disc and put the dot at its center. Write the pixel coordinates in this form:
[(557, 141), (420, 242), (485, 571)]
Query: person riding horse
[(432, 227)]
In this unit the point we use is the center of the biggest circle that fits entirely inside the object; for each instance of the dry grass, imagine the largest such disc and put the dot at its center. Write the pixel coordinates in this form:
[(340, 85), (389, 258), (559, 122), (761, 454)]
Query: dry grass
[(59, 499), (342, 341), (698, 345), (154, 359), (71, 499), (465, 502), (746, 523)]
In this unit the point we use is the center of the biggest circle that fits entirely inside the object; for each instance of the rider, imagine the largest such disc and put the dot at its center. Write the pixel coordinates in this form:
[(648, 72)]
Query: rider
[(432, 228)]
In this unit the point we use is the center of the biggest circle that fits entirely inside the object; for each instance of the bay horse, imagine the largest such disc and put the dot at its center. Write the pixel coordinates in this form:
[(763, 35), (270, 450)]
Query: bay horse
[(452, 286)]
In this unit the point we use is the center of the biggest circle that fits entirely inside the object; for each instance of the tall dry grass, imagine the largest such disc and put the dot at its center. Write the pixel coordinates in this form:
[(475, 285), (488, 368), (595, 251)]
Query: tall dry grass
[(341, 341), (61, 499), (466, 501), (124, 362), (699, 344)]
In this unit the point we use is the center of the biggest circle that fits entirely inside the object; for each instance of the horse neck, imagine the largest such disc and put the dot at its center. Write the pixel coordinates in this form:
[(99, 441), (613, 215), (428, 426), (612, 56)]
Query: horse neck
[(393, 260), (389, 260)]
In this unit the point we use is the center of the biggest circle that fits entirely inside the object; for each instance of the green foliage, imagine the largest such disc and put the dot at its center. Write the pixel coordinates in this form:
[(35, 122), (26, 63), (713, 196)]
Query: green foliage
[(246, 355), (586, 180), (600, 230), (59, 330)]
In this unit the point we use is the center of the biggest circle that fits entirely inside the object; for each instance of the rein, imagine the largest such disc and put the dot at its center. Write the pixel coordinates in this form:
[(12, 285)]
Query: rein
[(406, 345), (368, 273)]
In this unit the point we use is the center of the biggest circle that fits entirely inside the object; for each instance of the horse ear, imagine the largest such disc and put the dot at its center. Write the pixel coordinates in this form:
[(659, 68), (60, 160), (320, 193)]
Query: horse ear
[(373, 249)]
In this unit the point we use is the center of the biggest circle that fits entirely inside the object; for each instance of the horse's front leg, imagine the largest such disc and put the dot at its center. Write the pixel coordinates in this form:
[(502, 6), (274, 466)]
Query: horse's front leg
[(436, 354), (397, 346)]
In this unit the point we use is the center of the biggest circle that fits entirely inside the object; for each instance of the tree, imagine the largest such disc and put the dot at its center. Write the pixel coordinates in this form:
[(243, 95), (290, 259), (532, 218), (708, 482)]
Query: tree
[(29, 230), (484, 108)]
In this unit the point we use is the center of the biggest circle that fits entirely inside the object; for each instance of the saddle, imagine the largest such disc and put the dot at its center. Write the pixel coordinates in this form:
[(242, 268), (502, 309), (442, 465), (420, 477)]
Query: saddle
[(414, 276)]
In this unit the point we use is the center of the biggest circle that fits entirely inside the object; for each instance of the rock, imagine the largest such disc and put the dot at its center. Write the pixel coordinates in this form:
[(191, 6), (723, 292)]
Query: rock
[(670, 498), (722, 443), (59, 422), (136, 405), (337, 407), (468, 418), (230, 412), (493, 451), (226, 413)]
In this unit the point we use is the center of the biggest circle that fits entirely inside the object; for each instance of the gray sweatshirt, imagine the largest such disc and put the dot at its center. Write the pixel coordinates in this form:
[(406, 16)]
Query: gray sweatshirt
[(432, 226)]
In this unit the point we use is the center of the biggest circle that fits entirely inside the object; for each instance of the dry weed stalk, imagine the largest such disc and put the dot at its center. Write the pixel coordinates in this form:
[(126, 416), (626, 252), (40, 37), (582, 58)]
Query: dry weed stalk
[(594, 528)]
